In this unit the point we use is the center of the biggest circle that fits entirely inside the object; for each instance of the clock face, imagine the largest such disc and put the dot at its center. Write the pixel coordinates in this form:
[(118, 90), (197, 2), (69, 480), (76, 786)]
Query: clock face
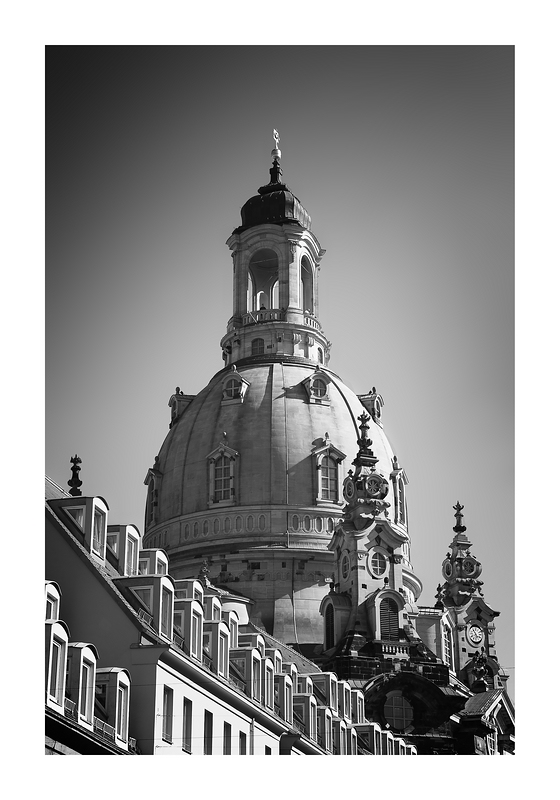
[(475, 634)]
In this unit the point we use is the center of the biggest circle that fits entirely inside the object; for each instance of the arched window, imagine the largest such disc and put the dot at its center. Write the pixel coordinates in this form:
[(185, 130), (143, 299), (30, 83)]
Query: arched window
[(250, 292), (389, 619), (329, 479), (275, 296), (262, 280), (398, 711), (257, 347), (306, 286), (329, 627)]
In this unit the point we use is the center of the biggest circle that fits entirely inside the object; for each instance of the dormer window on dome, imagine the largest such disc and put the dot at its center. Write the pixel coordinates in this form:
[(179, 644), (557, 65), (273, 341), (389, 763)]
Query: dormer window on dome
[(222, 475), (234, 387), (317, 387), (327, 460)]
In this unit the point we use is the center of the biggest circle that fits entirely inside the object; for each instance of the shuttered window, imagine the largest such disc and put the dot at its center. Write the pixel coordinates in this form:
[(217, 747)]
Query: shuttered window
[(389, 616)]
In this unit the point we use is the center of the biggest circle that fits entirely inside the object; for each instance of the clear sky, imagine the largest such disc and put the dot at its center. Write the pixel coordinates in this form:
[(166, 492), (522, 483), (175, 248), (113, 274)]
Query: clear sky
[(403, 156)]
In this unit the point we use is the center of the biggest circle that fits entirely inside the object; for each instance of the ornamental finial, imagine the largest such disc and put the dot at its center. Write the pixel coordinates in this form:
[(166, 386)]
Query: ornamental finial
[(276, 137), (74, 481), (459, 527)]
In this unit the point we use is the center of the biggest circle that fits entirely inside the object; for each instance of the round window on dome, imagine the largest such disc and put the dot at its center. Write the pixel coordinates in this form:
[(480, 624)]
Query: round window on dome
[(319, 387), (233, 388)]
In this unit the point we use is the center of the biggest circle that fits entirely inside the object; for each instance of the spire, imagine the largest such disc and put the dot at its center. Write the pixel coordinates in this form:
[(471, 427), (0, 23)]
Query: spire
[(460, 569), (365, 455), (275, 182), (459, 527), (75, 481)]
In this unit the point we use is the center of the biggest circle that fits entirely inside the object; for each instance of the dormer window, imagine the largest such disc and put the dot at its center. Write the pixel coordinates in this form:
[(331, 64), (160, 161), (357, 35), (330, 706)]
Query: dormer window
[(52, 602), (317, 387), (327, 466), (98, 541), (78, 514), (166, 606), (222, 464), (131, 555), (234, 387)]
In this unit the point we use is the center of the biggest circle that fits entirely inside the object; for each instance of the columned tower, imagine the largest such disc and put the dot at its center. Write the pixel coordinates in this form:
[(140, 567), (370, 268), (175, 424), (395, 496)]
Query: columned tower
[(275, 278)]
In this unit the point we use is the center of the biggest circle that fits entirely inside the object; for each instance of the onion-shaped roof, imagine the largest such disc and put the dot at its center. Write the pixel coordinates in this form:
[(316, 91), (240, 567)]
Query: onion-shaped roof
[(274, 203)]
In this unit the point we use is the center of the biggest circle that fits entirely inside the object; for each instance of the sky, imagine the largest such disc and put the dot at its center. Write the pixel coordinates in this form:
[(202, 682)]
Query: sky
[(402, 155)]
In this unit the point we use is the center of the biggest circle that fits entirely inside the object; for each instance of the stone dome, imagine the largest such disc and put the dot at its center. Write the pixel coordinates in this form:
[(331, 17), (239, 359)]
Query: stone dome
[(276, 432)]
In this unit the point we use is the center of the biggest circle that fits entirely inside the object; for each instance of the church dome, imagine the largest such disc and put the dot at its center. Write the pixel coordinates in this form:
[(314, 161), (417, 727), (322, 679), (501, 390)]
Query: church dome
[(250, 477), (275, 435)]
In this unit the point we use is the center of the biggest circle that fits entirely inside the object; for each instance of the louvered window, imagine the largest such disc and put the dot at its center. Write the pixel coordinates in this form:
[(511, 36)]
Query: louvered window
[(389, 616)]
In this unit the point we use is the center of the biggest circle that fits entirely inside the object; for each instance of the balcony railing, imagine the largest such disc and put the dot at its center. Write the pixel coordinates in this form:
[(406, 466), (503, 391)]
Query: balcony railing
[(264, 315), (147, 618), (70, 709), (103, 729)]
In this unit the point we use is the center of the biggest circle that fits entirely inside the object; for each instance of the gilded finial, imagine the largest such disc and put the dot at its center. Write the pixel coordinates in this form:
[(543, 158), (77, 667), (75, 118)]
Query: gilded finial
[(75, 481)]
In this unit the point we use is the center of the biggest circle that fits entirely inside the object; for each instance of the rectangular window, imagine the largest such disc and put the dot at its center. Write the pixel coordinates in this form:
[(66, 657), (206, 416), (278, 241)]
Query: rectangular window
[(187, 725), (227, 739), (98, 544), (55, 685), (195, 635), (112, 539), (161, 569), (166, 601), (86, 695), (167, 724), (222, 655), (269, 688), (288, 715), (242, 743), (233, 632), (145, 595), (122, 712), (143, 566), (267, 751), (256, 679), (52, 608), (222, 479), (131, 555), (208, 724)]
